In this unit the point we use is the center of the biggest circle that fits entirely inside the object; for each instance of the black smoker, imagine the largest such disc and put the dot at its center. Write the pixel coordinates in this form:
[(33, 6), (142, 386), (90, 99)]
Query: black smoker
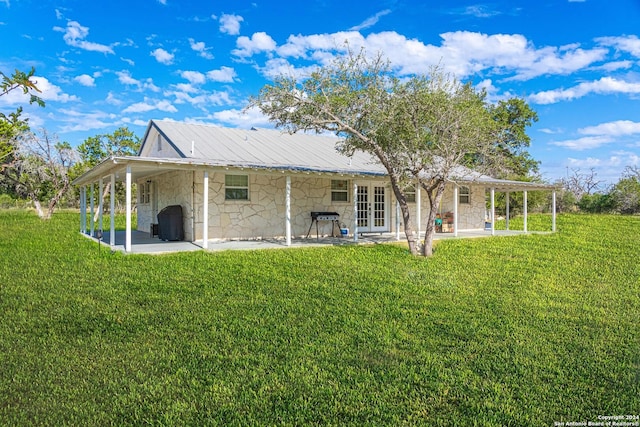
[(170, 223)]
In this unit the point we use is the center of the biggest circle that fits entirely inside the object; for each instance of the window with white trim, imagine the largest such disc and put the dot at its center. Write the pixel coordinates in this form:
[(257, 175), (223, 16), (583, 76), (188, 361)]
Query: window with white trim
[(464, 195), (410, 193), (339, 190), (144, 192), (236, 187)]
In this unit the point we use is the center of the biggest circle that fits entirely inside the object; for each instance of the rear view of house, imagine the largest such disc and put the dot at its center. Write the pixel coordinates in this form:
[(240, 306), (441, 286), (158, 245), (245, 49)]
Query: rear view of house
[(265, 184)]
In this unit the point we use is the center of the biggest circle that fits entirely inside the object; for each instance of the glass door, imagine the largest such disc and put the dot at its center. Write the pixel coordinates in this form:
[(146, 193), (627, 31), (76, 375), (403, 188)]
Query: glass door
[(372, 208)]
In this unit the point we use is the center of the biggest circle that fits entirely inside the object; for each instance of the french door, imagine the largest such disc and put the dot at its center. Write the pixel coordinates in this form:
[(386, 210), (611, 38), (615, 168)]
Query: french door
[(372, 208)]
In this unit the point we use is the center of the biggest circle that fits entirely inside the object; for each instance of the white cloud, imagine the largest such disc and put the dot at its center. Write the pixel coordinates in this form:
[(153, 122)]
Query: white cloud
[(76, 121), (111, 99), (371, 21), (230, 24), (85, 80), (75, 34), (194, 77), (201, 48), (48, 92), (150, 105), (604, 86), (478, 11), (601, 135), (200, 99), (125, 77), (241, 118), (128, 61), (259, 42), (584, 143), (162, 56), (223, 75), (616, 128), (462, 53), (609, 167), (629, 44), (281, 67)]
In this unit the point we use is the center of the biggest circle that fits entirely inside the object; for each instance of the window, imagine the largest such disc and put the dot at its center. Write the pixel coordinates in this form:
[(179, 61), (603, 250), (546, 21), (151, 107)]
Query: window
[(236, 187), (159, 142), (410, 192), (144, 192), (464, 195), (339, 190)]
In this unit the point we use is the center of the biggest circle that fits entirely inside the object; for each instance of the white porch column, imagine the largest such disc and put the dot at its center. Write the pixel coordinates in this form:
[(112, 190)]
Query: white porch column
[(553, 211), (100, 203), (355, 212), (83, 209), (419, 209), (205, 211), (493, 211), (455, 210), (112, 209), (91, 211), (127, 239), (506, 198), (524, 209), (287, 210), (397, 220)]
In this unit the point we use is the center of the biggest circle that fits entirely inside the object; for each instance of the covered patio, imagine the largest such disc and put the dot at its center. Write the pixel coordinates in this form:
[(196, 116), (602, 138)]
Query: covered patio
[(131, 169), (143, 243)]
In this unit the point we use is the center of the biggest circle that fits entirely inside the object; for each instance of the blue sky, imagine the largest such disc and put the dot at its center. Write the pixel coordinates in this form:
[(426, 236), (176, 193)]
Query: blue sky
[(102, 65)]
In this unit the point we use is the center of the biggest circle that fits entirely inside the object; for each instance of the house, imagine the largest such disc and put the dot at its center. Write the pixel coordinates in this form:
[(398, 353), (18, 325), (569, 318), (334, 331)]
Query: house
[(263, 184)]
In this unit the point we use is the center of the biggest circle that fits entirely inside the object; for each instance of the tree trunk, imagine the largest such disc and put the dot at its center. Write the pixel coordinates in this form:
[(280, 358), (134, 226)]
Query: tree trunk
[(434, 204), (37, 205), (412, 240), (105, 191)]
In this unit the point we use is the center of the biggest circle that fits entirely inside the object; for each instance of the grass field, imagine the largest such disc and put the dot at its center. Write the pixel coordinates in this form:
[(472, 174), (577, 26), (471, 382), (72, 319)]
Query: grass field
[(512, 331)]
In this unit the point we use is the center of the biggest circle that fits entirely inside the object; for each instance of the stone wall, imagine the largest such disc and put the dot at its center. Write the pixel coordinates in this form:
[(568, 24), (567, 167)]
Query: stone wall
[(263, 215)]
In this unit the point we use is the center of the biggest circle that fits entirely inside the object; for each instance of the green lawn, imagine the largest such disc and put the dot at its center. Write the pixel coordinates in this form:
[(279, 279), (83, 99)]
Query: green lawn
[(524, 330)]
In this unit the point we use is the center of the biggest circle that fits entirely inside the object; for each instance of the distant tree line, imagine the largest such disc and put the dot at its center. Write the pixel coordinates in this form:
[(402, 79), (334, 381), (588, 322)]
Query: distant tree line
[(581, 191)]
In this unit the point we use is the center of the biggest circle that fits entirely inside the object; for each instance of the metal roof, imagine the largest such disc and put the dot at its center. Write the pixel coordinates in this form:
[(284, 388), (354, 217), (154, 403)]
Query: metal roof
[(200, 145), (265, 148)]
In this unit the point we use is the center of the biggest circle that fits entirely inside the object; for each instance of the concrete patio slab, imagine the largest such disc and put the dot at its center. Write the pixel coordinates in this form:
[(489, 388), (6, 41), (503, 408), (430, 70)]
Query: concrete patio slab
[(143, 243)]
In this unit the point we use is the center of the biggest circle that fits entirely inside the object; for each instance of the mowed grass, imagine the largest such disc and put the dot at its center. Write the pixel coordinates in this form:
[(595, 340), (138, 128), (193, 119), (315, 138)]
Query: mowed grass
[(504, 331)]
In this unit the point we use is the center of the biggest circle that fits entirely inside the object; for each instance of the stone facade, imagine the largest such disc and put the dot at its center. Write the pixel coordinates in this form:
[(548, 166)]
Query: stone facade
[(263, 215)]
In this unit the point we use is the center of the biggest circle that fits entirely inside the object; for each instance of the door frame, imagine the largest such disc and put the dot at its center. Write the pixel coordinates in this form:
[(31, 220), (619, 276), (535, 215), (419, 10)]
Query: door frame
[(371, 188)]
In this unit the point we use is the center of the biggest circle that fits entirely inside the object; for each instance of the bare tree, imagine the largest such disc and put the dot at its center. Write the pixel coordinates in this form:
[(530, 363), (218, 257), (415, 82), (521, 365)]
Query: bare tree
[(40, 169), (581, 183)]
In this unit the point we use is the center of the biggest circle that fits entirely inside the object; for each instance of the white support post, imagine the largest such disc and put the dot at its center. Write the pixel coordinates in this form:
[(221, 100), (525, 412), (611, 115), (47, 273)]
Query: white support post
[(397, 220), (553, 211), (205, 211), (91, 204), (100, 204), (127, 239), (355, 212), (493, 211), (112, 213), (506, 198), (455, 210), (419, 209), (83, 209), (524, 209), (287, 209)]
